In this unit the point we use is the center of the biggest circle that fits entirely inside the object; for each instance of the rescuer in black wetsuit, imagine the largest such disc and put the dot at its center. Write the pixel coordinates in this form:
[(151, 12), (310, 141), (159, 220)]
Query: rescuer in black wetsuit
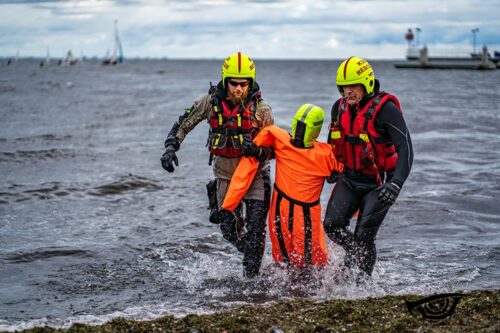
[(369, 135)]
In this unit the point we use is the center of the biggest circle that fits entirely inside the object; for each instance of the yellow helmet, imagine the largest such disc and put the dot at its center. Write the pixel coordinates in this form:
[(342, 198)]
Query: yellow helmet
[(306, 125), (238, 65), (355, 70)]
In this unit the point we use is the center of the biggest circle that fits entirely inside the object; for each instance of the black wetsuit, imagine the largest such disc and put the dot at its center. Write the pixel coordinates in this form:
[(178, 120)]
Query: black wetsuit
[(354, 191)]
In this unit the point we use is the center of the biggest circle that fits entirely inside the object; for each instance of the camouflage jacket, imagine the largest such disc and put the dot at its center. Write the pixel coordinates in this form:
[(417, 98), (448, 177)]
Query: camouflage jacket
[(201, 110)]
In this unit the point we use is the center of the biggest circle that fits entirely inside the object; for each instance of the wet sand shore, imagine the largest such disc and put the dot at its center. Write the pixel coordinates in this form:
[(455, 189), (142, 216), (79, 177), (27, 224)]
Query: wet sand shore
[(477, 311)]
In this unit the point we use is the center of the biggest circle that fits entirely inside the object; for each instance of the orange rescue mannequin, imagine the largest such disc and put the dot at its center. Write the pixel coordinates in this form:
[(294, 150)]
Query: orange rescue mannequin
[(297, 239)]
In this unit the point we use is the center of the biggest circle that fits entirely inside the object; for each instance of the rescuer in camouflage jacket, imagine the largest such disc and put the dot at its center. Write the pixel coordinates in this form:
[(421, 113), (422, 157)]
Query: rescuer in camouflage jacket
[(234, 109)]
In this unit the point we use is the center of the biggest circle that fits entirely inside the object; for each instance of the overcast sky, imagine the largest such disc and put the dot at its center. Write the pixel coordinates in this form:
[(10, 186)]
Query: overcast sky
[(317, 29)]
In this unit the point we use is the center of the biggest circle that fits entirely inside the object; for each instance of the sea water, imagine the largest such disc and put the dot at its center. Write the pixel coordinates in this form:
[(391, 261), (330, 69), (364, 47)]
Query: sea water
[(92, 228)]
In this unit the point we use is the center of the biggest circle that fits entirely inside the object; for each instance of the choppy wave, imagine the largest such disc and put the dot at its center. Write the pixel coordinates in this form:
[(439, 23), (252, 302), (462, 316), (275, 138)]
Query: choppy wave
[(45, 191), (126, 184), (44, 137), (57, 190), (42, 254), (21, 156), (6, 88)]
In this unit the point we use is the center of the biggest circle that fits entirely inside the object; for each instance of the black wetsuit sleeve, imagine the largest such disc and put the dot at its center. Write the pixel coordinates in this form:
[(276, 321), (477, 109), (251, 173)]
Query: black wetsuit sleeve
[(391, 124)]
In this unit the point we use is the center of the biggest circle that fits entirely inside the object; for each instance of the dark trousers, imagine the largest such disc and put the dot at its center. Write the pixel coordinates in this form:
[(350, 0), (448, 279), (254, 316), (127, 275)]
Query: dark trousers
[(349, 196), (252, 242)]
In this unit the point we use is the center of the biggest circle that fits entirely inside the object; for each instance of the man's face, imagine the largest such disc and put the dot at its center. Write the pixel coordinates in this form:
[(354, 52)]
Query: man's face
[(354, 93), (237, 89)]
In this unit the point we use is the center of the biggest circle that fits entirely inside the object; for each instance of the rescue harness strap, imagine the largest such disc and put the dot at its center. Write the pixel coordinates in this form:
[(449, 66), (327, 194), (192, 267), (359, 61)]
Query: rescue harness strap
[(307, 224), (279, 233), (296, 202)]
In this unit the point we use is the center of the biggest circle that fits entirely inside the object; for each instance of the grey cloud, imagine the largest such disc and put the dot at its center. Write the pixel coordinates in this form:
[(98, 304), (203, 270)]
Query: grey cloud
[(265, 1), (35, 2), (5, 2), (234, 1), (59, 11)]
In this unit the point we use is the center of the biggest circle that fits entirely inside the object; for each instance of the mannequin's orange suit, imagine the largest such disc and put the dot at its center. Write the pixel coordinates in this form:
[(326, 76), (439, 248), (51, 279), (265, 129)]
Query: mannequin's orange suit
[(295, 226)]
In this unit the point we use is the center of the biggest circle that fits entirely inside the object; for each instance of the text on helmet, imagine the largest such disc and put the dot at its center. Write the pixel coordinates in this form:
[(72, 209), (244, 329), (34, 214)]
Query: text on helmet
[(364, 68)]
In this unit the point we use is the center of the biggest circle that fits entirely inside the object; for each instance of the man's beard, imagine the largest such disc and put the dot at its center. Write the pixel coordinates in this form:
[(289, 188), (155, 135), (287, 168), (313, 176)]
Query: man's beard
[(235, 99)]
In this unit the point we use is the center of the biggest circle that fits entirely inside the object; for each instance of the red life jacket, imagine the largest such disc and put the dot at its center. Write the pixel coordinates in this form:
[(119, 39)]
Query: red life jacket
[(228, 126), (356, 143)]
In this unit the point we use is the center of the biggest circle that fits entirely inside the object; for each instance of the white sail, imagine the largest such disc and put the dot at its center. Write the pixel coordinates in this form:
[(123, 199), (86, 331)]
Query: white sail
[(117, 55), (118, 45), (70, 59), (113, 56)]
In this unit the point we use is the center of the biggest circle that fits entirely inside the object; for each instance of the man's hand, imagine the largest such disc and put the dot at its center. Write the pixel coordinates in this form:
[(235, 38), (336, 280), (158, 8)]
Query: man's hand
[(169, 158), (388, 193), (249, 147), (332, 178)]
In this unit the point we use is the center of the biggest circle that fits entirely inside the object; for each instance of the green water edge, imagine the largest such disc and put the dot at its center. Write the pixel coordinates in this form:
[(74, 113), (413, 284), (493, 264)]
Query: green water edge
[(476, 311)]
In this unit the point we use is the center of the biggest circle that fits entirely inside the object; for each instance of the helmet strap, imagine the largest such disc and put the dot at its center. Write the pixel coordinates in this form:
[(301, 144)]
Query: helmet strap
[(298, 138)]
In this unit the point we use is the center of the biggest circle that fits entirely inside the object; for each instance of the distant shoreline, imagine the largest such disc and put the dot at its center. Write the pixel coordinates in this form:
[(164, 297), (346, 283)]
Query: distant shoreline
[(98, 59), (476, 311)]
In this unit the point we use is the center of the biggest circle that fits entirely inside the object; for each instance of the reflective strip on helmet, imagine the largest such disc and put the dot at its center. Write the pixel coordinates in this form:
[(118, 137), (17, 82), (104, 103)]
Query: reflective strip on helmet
[(304, 115), (345, 68), (239, 62)]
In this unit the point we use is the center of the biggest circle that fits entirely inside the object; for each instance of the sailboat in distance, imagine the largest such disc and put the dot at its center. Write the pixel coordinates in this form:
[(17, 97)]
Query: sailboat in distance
[(46, 62), (69, 60), (117, 56)]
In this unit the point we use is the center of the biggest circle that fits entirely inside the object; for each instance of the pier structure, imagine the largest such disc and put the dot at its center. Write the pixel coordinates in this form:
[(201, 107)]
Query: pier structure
[(448, 59)]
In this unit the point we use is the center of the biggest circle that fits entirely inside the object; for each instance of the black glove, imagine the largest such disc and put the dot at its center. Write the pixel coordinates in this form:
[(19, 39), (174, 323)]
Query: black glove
[(169, 158), (333, 177), (388, 192), (249, 147)]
